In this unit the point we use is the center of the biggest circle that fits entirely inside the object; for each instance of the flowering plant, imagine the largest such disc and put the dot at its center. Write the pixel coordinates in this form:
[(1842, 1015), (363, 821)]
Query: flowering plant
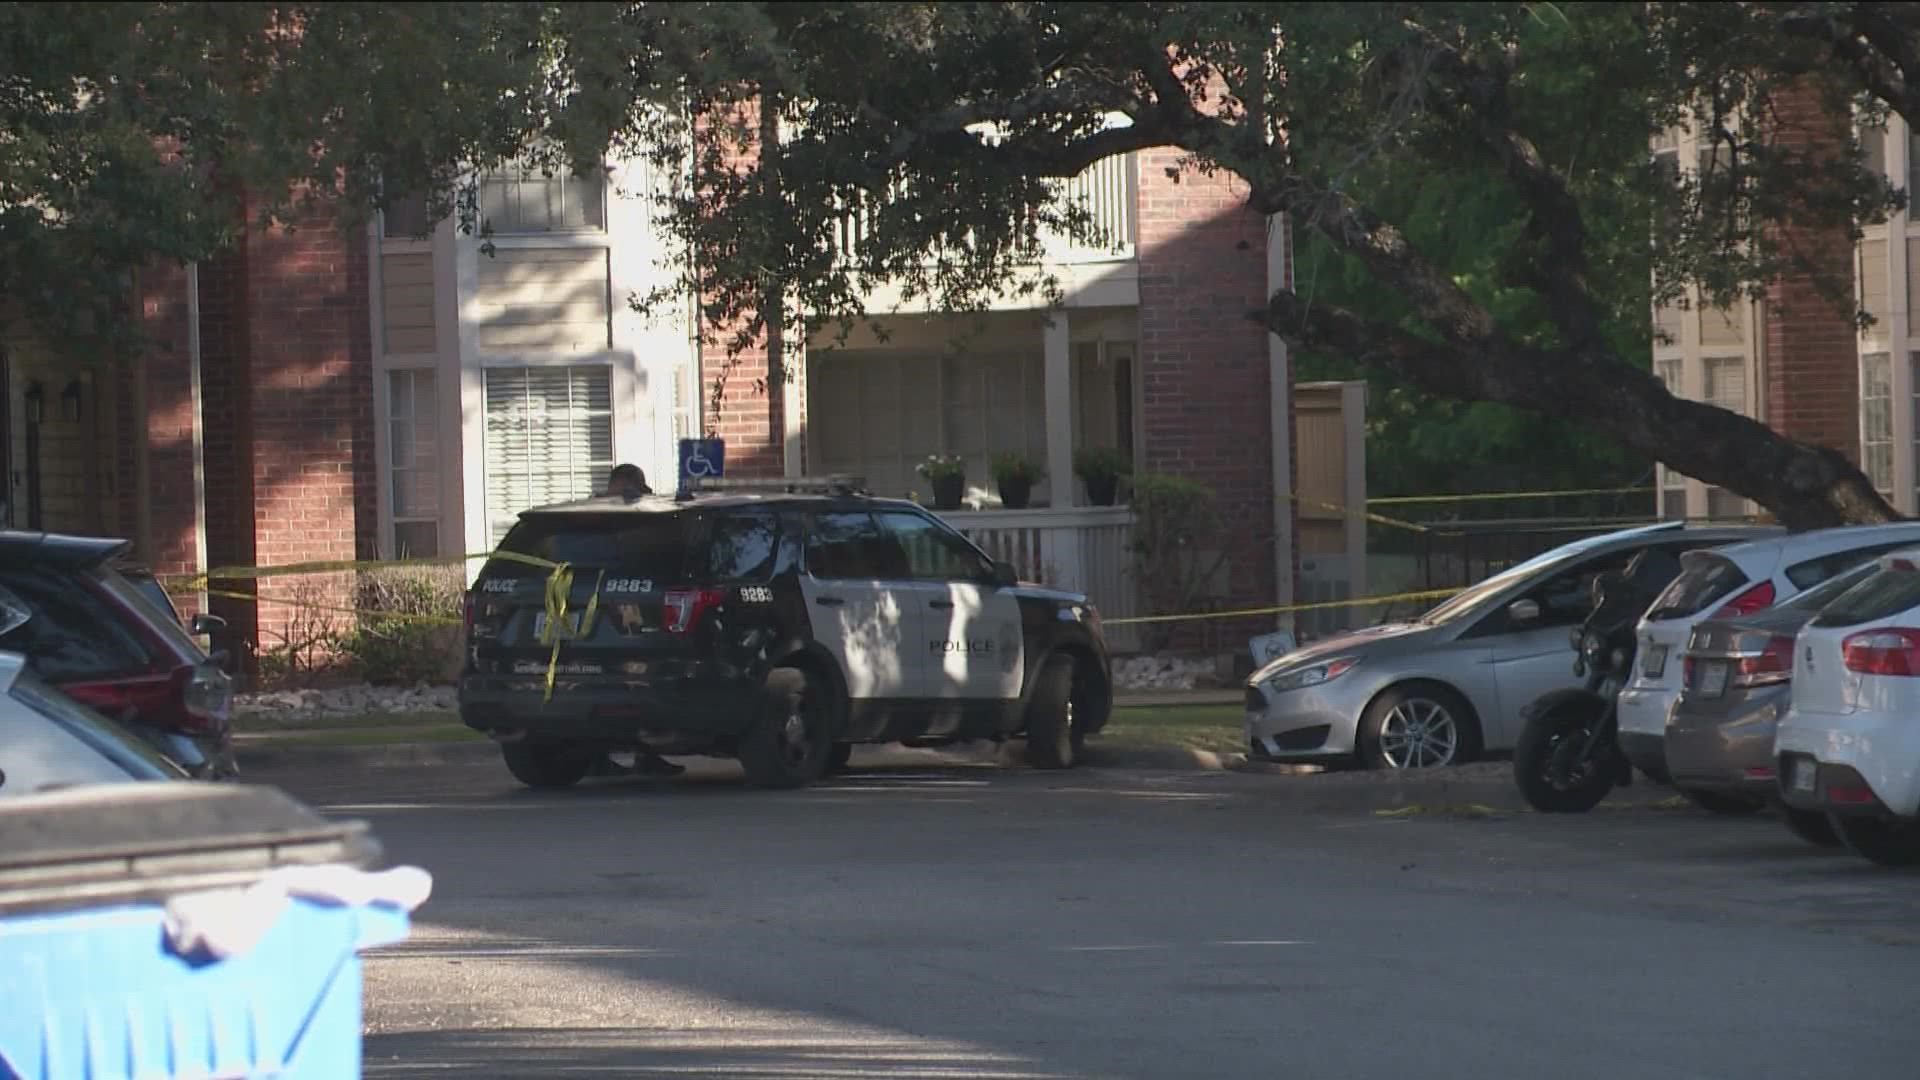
[(938, 466)]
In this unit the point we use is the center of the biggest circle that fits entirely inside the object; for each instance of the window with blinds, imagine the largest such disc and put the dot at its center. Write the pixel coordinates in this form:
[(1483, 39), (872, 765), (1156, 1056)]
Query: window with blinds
[(1726, 386), (414, 463), (1876, 419), (549, 438)]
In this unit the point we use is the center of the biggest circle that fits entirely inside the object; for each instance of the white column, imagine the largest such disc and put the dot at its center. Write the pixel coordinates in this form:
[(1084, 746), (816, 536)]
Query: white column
[(1059, 399), (1280, 414), (795, 350), (1066, 556)]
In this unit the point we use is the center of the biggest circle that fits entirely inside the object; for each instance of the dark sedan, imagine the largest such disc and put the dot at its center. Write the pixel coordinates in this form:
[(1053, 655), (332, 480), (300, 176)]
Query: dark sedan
[(1737, 685)]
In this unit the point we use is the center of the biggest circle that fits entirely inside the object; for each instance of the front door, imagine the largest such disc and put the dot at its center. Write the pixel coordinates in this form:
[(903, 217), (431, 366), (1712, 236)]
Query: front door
[(863, 614), (973, 644)]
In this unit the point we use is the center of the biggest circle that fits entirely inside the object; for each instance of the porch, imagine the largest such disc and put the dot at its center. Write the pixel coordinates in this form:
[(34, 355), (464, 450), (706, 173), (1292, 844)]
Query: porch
[(1036, 386), (1084, 549)]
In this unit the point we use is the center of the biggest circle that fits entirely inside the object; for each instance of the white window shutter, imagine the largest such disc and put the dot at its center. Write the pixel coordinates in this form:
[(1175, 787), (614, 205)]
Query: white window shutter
[(549, 438)]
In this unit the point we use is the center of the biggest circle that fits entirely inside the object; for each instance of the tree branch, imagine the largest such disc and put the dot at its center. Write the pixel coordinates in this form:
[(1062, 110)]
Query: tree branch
[(1480, 96), (1816, 485), (1883, 55)]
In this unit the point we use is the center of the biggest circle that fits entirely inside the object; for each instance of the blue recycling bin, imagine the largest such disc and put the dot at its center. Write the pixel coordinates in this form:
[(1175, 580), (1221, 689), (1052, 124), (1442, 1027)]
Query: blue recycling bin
[(91, 985)]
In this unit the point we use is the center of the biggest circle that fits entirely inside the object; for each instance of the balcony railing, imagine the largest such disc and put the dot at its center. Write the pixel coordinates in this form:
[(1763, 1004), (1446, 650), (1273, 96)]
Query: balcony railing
[(1082, 549), (1108, 192)]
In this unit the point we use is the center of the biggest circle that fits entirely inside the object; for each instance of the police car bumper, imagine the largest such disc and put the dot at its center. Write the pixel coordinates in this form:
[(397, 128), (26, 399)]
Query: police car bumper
[(611, 710)]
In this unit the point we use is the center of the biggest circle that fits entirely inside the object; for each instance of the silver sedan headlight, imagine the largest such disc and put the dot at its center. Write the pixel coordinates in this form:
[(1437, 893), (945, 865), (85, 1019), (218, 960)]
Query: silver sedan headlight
[(1312, 675)]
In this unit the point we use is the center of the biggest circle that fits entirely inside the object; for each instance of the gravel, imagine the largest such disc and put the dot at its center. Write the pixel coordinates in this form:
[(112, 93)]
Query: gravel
[(284, 705), (1163, 673)]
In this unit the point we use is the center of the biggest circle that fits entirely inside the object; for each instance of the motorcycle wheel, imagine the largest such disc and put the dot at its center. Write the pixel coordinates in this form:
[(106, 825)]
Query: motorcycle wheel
[(1545, 766)]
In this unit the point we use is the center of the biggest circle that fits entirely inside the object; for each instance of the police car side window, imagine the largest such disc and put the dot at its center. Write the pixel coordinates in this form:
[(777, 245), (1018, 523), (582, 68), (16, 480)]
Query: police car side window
[(742, 547), (933, 552), (849, 546)]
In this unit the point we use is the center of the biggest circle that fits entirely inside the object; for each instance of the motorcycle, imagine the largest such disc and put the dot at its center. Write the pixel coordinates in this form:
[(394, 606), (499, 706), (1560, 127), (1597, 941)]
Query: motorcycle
[(1568, 756)]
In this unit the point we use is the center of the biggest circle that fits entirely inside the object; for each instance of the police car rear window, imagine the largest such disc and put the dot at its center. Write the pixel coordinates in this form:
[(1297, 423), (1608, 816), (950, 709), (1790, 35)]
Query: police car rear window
[(668, 547)]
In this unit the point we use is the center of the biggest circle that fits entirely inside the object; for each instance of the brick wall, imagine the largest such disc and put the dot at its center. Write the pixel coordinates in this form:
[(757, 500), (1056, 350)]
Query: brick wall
[(1812, 356), (165, 372), (1204, 365), (287, 402), (749, 414)]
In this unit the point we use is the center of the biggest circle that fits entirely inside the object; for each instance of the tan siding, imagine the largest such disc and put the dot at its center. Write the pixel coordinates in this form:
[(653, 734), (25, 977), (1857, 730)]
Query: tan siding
[(1668, 320), (544, 299), (406, 298), (1723, 326), (1873, 283)]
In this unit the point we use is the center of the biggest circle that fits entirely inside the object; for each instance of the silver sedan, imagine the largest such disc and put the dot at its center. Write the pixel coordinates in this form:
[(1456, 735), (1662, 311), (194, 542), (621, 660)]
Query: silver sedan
[(1450, 685)]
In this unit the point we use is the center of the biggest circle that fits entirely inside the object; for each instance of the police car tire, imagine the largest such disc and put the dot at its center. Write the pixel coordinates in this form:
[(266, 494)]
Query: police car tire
[(546, 764), (770, 758), (837, 759), (1050, 736)]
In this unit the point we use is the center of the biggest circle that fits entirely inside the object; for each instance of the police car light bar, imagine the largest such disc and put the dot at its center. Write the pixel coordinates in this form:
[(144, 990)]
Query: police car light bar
[(837, 484)]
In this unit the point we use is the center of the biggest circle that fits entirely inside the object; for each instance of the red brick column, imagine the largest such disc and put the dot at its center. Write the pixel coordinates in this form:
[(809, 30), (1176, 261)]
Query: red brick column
[(1204, 364), (749, 414), (1812, 353)]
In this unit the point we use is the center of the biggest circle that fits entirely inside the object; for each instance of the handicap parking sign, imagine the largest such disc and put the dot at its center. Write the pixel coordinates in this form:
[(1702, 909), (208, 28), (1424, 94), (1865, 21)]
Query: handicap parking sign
[(701, 459)]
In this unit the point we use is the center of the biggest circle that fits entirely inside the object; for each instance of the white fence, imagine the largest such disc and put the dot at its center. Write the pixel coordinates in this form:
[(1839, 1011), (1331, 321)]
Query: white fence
[(1083, 549)]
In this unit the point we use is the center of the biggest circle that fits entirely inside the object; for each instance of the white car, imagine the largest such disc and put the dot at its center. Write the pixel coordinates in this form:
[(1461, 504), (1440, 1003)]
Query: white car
[(1850, 743), (1738, 579)]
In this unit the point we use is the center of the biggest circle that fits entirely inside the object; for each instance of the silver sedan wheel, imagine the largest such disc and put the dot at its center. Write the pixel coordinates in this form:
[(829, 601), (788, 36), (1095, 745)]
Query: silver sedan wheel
[(1419, 734)]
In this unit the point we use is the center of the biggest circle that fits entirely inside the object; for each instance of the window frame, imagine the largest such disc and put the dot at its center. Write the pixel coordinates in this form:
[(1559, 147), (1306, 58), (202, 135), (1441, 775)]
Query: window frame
[(521, 175)]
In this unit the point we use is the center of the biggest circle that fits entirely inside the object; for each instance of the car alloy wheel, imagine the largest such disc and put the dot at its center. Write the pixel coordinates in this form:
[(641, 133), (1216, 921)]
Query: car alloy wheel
[(1419, 734)]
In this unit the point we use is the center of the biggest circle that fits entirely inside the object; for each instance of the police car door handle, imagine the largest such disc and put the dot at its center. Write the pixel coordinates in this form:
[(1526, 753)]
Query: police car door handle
[(831, 601), (941, 605)]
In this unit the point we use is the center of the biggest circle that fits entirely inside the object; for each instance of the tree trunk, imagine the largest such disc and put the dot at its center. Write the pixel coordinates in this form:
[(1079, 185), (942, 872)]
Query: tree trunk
[(1803, 486)]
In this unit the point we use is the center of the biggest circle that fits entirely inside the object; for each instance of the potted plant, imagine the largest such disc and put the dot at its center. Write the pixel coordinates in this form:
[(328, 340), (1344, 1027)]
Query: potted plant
[(1101, 470), (948, 475), (1015, 475)]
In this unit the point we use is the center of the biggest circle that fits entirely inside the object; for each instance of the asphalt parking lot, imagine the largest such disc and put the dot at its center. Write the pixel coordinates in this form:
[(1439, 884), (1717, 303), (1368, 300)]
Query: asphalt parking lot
[(995, 922)]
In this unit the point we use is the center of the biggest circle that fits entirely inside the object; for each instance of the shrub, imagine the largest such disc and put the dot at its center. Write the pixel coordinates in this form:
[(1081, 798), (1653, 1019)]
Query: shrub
[(1178, 546), (408, 629)]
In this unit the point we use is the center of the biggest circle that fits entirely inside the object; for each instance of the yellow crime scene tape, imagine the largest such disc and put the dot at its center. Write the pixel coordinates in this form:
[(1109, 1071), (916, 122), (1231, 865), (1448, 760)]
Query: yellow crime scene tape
[(559, 583), (1503, 496)]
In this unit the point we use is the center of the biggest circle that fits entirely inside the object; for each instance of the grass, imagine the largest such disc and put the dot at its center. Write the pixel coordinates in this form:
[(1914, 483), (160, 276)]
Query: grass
[(1219, 728)]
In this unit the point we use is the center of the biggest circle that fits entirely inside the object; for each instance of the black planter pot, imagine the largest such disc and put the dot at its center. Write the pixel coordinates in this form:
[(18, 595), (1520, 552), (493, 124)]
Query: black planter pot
[(947, 492), (1015, 494), (1103, 490)]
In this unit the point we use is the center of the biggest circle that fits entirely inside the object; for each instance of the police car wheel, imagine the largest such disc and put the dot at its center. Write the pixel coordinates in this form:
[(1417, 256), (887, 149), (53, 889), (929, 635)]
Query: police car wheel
[(546, 764), (838, 758), (789, 743), (1050, 736)]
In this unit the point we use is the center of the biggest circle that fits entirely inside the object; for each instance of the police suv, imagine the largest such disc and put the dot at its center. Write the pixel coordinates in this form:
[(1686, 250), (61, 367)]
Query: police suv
[(777, 623)]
